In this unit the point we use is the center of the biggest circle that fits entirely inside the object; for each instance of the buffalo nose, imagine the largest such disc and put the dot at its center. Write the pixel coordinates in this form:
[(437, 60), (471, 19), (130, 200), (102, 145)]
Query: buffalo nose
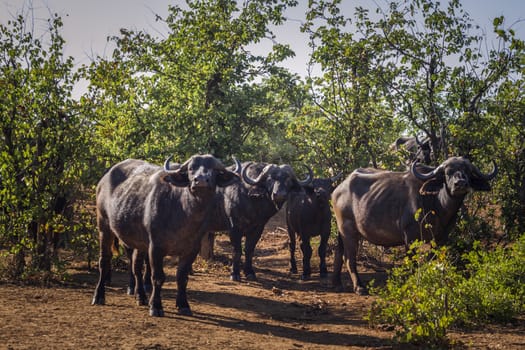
[(461, 182), (201, 181)]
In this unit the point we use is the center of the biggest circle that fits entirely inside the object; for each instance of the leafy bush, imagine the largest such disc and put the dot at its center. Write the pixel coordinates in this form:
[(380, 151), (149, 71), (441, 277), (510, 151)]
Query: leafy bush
[(495, 287), (420, 298), (428, 294)]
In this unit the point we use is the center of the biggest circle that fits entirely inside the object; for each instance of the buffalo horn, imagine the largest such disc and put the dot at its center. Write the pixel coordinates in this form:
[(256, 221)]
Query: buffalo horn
[(490, 175), (336, 177), (309, 177), (167, 163), (238, 166), (421, 176), (259, 178), (167, 166)]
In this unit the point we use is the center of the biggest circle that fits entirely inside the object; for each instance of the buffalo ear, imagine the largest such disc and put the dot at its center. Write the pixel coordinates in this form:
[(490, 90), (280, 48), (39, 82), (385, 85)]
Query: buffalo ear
[(226, 178), (178, 179), (479, 184), (431, 187)]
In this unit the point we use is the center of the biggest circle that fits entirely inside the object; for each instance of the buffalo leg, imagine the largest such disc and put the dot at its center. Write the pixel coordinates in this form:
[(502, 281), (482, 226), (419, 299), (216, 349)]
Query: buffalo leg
[(321, 251), (236, 242), (156, 257), (147, 275), (306, 248), (251, 242), (351, 244), (138, 262), (104, 264), (338, 263), (291, 246), (131, 277), (183, 270)]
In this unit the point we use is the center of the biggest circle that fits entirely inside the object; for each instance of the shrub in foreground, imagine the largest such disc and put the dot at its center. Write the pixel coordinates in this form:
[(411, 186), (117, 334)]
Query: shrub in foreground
[(427, 294)]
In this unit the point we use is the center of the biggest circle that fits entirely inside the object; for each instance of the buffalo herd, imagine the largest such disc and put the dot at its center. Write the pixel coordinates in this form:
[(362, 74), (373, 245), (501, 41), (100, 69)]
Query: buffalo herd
[(155, 211)]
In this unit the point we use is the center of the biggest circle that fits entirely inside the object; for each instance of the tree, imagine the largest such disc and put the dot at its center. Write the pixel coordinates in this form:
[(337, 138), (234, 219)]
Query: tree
[(43, 145), (415, 66), (198, 88), (352, 111), (508, 112)]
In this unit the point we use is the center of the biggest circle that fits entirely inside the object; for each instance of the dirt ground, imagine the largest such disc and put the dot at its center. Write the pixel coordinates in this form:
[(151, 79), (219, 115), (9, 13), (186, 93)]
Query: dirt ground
[(277, 312)]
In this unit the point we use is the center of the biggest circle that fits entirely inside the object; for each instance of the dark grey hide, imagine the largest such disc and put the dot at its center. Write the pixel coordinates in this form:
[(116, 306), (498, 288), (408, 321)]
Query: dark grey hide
[(245, 207), (308, 215), (159, 211), (380, 206), (137, 258)]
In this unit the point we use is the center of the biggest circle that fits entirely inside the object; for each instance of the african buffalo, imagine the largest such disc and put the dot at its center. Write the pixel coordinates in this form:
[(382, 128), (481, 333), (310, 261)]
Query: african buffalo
[(308, 215), (380, 206), (138, 258), (420, 150), (244, 208), (161, 211)]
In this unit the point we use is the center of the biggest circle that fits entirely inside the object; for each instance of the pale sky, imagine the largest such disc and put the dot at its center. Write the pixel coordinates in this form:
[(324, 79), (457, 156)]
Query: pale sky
[(87, 23)]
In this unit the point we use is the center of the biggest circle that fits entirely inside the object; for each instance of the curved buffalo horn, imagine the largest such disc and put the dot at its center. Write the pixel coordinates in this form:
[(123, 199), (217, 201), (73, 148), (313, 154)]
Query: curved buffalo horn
[(238, 166), (167, 163), (490, 175), (421, 176), (336, 177), (259, 178), (180, 167), (309, 177)]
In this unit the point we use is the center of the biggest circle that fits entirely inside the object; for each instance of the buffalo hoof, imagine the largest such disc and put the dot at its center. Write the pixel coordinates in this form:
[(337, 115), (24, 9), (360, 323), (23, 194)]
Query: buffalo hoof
[(251, 277), (148, 288), (305, 277), (156, 312), (98, 301), (361, 291), (185, 311), (235, 277), (293, 271), (130, 291)]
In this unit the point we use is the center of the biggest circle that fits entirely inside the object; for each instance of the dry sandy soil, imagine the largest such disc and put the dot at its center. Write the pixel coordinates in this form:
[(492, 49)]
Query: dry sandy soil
[(277, 312)]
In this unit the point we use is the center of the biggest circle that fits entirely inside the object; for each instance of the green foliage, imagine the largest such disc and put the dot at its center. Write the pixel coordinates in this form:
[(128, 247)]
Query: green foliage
[(419, 66), (198, 89), (495, 287), (201, 88), (42, 145), (508, 109), (350, 122), (421, 297), (428, 294)]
